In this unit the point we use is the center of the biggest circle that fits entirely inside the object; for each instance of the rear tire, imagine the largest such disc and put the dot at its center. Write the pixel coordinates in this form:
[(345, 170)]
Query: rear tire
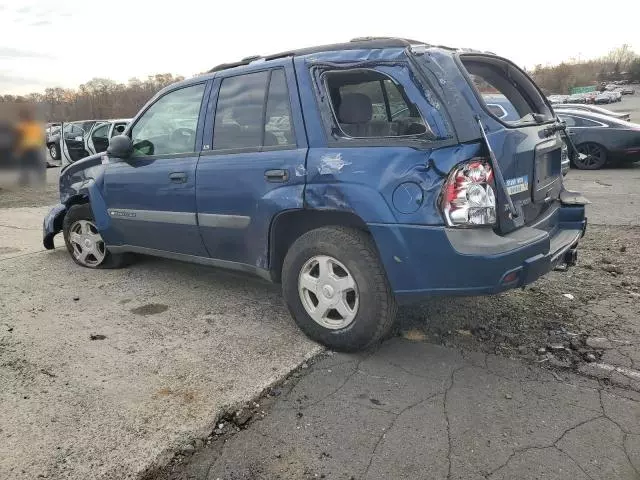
[(596, 156), (365, 307), (54, 151), (79, 226)]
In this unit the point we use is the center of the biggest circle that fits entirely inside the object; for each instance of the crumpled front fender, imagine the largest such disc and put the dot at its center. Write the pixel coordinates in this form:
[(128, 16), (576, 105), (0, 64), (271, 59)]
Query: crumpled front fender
[(52, 225)]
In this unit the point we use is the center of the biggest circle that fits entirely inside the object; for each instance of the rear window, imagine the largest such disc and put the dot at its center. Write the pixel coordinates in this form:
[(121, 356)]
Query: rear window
[(369, 104), (513, 97), (572, 121)]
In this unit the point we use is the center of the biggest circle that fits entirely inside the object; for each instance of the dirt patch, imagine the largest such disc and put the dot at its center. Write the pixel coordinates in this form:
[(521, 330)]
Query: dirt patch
[(149, 309), (15, 196), (554, 320)]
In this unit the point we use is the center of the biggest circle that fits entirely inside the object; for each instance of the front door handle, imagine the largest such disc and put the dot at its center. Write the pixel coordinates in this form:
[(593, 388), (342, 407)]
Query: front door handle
[(178, 177), (277, 176)]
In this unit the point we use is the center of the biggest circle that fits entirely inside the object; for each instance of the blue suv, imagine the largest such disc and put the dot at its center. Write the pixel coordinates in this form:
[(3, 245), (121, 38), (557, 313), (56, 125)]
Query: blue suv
[(360, 176)]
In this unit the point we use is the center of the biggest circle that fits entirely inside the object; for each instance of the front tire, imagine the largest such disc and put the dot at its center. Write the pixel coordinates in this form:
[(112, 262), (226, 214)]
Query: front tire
[(336, 288), (84, 242)]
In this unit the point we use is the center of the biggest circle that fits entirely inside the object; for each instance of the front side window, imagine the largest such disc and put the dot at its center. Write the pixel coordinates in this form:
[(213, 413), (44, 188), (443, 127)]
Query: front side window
[(370, 104), (253, 111), (169, 125)]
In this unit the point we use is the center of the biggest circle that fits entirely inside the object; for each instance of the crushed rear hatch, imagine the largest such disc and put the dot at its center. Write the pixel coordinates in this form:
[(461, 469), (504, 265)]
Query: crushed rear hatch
[(527, 151)]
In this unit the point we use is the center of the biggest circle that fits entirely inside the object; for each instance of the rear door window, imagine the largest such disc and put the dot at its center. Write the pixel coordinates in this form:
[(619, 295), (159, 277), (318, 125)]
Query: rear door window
[(253, 111)]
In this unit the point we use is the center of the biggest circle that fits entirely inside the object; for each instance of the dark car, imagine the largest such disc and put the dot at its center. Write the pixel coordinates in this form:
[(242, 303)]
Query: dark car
[(601, 138), (53, 141), (7, 144), (360, 176)]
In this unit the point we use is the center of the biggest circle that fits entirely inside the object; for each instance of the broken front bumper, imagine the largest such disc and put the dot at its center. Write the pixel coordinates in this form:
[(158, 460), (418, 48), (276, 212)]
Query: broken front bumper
[(422, 261), (52, 224)]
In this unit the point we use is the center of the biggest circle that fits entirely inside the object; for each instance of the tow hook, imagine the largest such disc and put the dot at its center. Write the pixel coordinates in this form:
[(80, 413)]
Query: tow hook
[(571, 257)]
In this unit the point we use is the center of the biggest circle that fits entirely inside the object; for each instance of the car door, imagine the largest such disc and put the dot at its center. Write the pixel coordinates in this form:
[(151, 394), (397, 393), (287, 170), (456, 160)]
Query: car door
[(72, 143), (98, 138), (252, 163), (150, 197)]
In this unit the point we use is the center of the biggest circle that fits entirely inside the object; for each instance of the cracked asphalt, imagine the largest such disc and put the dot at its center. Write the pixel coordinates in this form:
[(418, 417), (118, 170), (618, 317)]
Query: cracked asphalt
[(417, 410)]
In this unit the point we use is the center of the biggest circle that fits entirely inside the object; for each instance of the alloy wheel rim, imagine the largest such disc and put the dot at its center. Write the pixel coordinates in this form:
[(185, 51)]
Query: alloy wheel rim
[(593, 155), (88, 245), (328, 292)]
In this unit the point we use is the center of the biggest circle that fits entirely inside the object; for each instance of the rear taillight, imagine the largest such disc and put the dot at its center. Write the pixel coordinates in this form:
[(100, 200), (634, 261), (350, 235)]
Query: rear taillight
[(468, 198)]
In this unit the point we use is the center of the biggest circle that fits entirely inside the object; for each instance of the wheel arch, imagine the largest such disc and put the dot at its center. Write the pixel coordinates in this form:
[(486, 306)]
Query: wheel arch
[(289, 225)]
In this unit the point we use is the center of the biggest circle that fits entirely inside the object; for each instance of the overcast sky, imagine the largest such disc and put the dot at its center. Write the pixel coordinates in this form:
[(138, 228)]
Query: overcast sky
[(45, 43)]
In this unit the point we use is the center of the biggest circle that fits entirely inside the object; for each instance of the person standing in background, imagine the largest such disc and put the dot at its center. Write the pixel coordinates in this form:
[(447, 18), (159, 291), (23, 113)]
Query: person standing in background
[(30, 148)]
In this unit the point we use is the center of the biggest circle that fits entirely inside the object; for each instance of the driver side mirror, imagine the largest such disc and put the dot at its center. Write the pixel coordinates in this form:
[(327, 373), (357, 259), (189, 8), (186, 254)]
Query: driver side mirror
[(120, 146)]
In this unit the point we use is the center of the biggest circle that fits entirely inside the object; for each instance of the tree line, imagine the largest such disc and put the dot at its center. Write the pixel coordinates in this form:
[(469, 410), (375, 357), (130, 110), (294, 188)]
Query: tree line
[(97, 99), (619, 64)]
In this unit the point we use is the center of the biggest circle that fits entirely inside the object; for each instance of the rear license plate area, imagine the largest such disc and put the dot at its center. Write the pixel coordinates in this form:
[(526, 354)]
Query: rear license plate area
[(547, 172)]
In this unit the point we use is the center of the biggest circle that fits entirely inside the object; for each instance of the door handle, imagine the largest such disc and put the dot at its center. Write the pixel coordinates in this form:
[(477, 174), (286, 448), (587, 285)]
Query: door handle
[(277, 176), (178, 177)]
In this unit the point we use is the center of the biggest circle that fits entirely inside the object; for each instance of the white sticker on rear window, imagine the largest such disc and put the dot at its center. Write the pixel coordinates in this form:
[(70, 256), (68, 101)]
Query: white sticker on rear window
[(517, 185)]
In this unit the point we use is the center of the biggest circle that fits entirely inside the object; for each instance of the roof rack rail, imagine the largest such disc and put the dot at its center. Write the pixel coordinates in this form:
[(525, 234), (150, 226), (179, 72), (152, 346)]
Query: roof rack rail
[(369, 39), (244, 61)]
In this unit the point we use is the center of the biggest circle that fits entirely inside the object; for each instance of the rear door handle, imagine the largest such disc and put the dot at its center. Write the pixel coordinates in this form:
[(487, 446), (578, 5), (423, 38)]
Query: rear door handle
[(178, 177), (277, 176)]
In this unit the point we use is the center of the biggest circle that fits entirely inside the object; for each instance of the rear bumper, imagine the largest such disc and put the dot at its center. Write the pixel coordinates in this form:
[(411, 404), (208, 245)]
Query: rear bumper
[(422, 261)]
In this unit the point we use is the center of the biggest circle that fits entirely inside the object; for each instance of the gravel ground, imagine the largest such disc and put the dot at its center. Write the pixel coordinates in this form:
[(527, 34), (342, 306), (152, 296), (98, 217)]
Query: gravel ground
[(12, 195)]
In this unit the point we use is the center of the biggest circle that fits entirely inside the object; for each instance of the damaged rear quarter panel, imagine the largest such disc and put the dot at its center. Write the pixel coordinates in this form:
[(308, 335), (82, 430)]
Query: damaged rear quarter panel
[(362, 180)]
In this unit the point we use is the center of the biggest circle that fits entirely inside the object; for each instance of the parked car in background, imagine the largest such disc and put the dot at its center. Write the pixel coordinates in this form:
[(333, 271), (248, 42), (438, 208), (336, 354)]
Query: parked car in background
[(277, 167), (627, 91), (89, 137), (72, 140), (601, 138), (576, 98), (52, 134), (557, 99), (595, 109), (98, 138), (590, 97), (603, 98)]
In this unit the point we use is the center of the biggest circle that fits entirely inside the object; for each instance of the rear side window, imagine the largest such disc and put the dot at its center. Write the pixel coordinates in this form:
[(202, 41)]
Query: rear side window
[(253, 111), (578, 121), (500, 82), (369, 104)]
